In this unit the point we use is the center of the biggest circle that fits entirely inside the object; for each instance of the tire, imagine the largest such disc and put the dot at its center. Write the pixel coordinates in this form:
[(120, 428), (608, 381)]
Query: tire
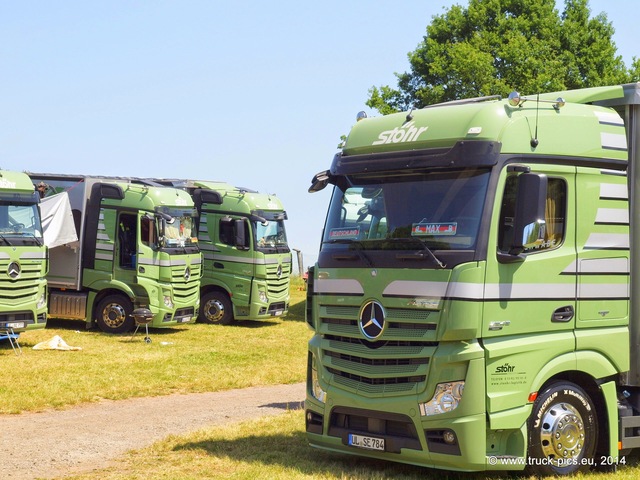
[(113, 314), (563, 430), (216, 308)]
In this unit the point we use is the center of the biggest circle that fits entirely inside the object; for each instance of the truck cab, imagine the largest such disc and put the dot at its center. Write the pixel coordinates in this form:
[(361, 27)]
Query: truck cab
[(23, 256), (471, 299), (247, 260), (136, 249)]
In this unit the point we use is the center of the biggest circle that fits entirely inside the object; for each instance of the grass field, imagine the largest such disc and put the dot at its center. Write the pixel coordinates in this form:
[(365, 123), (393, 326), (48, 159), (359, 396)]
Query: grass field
[(276, 448), (190, 358)]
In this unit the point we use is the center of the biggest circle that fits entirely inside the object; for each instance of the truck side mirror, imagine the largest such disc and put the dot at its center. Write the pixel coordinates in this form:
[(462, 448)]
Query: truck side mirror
[(319, 181), (528, 223), (240, 234), (161, 232)]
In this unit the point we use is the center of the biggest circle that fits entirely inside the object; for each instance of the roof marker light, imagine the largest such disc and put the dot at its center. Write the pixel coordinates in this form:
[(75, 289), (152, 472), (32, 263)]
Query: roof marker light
[(559, 103)]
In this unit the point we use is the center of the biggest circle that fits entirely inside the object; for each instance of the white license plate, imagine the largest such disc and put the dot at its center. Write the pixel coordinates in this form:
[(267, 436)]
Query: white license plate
[(184, 319), (370, 443), (15, 325), (278, 313)]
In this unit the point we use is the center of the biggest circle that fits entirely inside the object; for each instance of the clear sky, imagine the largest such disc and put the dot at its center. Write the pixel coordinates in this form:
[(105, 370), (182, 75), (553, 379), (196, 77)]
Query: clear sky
[(253, 93)]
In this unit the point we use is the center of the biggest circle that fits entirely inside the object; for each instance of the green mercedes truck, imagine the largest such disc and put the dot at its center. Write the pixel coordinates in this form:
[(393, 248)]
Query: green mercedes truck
[(247, 261), (23, 256), (136, 254), (473, 302)]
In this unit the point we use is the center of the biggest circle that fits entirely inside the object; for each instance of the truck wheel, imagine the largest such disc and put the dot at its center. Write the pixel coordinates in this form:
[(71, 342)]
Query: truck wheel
[(216, 307), (113, 314), (563, 430)]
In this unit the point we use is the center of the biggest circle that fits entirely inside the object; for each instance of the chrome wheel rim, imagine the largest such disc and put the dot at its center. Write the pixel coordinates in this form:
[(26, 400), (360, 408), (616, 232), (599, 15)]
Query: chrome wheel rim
[(114, 315), (562, 434), (214, 310)]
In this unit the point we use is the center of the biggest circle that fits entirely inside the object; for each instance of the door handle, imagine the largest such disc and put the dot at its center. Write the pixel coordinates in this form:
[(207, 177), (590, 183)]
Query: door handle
[(563, 314)]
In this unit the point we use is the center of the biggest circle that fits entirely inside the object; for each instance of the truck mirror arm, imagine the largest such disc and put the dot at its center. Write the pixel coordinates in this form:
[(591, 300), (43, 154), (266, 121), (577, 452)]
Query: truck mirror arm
[(509, 257)]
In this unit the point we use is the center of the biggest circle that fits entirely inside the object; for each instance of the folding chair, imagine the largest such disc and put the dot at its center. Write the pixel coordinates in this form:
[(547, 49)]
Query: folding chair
[(9, 334)]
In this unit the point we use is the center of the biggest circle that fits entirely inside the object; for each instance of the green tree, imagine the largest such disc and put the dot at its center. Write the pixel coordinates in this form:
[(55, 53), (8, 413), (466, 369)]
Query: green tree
[(634, 71), (493, 47)]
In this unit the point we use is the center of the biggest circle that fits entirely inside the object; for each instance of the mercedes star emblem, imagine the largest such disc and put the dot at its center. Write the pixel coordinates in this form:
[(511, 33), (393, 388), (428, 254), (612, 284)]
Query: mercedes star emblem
[(13, 270), (371, 320)]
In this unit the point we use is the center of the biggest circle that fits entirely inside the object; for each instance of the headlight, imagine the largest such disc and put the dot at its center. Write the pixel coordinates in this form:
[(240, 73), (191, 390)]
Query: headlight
[(42, 301), (263, 296), (316, 390), (445, 399), (168, 302)]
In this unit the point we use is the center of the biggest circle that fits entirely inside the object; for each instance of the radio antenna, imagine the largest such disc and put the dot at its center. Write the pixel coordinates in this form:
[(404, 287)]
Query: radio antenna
[(534, 141)]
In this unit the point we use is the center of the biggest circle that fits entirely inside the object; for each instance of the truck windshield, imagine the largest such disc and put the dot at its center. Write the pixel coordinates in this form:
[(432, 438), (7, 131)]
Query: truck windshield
[(179, 233), (20, 223), (270, 235), (418, 211)]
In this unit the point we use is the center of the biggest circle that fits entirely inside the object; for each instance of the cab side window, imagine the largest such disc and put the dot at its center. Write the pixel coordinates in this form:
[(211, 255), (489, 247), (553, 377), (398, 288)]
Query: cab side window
[(226, 232), (554, 215), (127, 240)]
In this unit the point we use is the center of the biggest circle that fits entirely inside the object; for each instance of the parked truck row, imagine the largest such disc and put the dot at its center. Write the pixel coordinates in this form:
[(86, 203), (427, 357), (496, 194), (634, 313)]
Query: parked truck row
[(475, 303), (105, 249), (247, 261)]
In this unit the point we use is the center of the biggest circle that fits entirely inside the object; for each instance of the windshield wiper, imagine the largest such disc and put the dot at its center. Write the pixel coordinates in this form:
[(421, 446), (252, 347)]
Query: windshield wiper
[(6, 240), (425, 249), (358, 247), (31, 235)]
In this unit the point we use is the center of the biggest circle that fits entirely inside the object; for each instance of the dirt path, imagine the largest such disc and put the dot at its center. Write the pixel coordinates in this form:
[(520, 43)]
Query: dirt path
[(55, 443)]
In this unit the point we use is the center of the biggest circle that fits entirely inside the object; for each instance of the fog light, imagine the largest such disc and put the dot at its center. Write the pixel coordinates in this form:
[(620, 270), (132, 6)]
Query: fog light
[(445, 399), (449, 437)]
